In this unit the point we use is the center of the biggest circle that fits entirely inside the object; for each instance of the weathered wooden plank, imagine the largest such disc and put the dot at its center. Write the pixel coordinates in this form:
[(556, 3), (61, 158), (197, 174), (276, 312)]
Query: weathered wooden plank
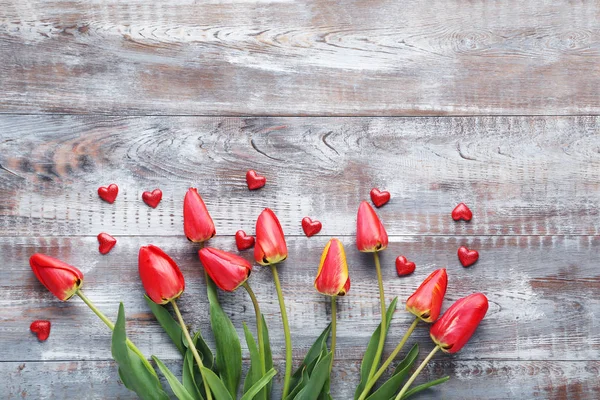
[(542, 292), (470, 380), (520, 175), (296, 58)]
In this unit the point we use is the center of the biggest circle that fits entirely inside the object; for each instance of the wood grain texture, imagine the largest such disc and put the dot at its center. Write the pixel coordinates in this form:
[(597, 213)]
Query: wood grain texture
[(520, 175), (285, 57)]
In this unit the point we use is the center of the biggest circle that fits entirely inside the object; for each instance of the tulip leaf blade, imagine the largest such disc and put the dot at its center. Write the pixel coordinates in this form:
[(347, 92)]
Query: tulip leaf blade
[(202, 348), (216, 385), (392, 385), (369, 355), (259, 385), (168, 323), (268, 354), (424, 386), (254, 372), (134, 374), (229, 349), (299, 385), (188, 377), (178, 389), (312, 354), (315, 383)]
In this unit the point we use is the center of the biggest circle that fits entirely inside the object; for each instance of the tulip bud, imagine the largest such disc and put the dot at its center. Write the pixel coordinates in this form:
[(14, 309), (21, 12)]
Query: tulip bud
[(332, 277), (454, 329), (60, 278), (426, 301), (270, 247), (197, 223), (227, 270), (370, 233), (160, 276)]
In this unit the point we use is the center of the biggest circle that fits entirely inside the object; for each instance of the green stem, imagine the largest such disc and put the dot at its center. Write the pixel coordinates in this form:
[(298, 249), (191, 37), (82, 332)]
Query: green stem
[(389, 360), (259, 328), (383, 330), (111, 326), (191, 346), (286, 331), (414, 375), (333, 330)]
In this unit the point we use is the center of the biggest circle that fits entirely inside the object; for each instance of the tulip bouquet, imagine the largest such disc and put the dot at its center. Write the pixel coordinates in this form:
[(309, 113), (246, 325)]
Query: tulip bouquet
[(206, 375)]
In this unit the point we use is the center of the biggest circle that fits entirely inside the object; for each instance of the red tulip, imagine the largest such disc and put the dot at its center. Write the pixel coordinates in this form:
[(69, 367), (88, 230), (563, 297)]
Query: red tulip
[(370, 233), (197, 223), (426, 301), (332, 277), (60, 278), (160, 276), (227, 270), (270, 245), (454, 329)]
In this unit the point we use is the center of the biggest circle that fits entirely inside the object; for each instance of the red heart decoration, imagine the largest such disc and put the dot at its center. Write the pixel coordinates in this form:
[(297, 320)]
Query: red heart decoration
[(243, 241), (463, 212), (404, 267), (254, 180), (467, 257), (152, 198), (108, 194), (310, 227), (107, 242), (41, 328), (379, 198)]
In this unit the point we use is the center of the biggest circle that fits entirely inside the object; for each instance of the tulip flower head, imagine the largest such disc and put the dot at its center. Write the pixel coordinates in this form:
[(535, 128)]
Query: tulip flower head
[(454, 329), (332, 277), (197, 223), (227, 270), (160, 275), (370, 233), (270, 247), (61, 279), (426, 301)]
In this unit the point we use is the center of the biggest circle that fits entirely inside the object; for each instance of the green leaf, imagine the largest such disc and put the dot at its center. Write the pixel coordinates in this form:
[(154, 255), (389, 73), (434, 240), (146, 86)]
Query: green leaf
[(424, 386), (188, 376), (229, 350), (205, 353), (369, 355), (317, 380), (168, 323), (268, 354), (216, 385), (311, 355), (299, 385), (178, 389), (254, 372), (257, 387), (133, 372), (392, 385)]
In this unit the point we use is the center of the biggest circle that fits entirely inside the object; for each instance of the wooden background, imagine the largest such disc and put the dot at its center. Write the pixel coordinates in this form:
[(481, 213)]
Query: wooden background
[(492, 103)]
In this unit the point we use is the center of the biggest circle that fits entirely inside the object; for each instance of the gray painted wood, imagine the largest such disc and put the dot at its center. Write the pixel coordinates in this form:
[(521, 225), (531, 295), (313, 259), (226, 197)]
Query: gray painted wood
[(315, 57)]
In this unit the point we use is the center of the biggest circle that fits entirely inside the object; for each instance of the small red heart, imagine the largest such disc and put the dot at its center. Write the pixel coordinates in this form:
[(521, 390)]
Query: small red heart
[(152, 198), (243, 241), (404, 267), (108, 194), (463, 212), (467, 257), (311, 227), (41, 328), (254, 180), (379, 198), (107, 242)]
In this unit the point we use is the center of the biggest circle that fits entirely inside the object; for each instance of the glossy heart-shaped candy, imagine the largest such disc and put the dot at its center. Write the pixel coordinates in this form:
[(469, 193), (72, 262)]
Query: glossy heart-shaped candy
[(404, 267), (152, 198), (254, 180), (108, 194), (106, 243), (310, 227), (41, 328), (467, 257), (379, 198), (243, 241), (463, 212)]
